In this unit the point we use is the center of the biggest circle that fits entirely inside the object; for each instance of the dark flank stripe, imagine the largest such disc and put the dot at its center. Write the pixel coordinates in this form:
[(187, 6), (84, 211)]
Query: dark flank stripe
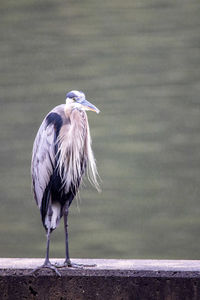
[(45, 203)]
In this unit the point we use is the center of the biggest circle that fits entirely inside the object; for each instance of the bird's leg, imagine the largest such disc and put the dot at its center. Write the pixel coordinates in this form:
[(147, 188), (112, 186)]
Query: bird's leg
[(67, 262), (47, 263), (67, 259)]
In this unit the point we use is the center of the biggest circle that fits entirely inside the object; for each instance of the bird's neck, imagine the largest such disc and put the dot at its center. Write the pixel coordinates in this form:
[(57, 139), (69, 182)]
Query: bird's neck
[(68, 110)]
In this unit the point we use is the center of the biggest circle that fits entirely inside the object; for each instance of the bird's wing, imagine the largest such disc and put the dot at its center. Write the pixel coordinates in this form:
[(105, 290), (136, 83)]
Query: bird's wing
[(43, 159)]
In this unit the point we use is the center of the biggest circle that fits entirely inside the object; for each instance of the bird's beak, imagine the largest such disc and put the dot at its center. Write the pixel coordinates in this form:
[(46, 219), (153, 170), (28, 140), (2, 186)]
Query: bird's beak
[(89, 106)]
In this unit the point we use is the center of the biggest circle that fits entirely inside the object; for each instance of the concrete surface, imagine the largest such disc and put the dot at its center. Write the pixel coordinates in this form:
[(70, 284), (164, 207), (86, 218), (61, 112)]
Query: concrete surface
[(109, 279)]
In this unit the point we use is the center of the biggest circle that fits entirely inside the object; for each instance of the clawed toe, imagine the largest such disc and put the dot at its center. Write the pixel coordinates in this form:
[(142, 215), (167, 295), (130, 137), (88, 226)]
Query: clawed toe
[(69, 264), (47, 266), (56, 266), (66, 264)]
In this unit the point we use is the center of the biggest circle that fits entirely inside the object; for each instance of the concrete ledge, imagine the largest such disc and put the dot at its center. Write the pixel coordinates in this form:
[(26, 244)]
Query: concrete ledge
[(109, 279)]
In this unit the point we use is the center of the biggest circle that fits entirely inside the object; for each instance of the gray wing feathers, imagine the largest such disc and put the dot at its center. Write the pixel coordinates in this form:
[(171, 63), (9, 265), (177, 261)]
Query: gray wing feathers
[(43, 160)]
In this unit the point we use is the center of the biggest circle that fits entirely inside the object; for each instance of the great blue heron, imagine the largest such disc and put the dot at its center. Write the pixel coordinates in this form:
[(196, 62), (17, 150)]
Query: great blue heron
[(61, 153)]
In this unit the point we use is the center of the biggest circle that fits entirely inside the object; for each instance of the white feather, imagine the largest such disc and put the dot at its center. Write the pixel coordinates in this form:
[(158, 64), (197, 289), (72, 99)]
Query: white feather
[(55, 216)]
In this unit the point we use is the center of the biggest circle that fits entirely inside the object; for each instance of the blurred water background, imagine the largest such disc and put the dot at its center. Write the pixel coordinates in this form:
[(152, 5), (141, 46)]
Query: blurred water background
[(138, 61)]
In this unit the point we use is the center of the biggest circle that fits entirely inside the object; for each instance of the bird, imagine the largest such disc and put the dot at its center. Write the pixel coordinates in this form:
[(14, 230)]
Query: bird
[(61, 155)]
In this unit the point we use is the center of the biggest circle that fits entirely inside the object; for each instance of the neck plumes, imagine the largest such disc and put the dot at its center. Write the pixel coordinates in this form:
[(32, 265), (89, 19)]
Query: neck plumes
[(75, 152)]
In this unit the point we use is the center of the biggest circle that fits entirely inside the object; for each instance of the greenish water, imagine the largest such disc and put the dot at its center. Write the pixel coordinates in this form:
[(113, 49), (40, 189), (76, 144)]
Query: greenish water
[(139, 63)]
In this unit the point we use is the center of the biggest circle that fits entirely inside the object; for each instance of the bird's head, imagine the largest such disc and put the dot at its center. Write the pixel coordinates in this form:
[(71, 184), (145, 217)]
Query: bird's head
[(76, 99)]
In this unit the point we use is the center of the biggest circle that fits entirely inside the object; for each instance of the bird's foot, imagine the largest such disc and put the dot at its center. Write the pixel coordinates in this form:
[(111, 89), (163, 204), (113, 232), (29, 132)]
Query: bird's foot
[(46, 265), (67, 263)]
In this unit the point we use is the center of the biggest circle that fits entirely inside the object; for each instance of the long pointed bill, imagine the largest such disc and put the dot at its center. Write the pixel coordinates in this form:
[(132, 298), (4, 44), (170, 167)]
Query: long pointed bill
[(89, 106)]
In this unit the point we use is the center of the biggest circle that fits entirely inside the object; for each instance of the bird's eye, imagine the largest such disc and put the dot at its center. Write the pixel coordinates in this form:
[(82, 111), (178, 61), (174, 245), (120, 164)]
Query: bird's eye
[(74, 99)]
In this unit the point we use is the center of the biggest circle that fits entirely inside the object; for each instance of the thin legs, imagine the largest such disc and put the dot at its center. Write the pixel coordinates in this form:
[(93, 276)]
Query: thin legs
[(67, 259), (47, 263), (67, 262)]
